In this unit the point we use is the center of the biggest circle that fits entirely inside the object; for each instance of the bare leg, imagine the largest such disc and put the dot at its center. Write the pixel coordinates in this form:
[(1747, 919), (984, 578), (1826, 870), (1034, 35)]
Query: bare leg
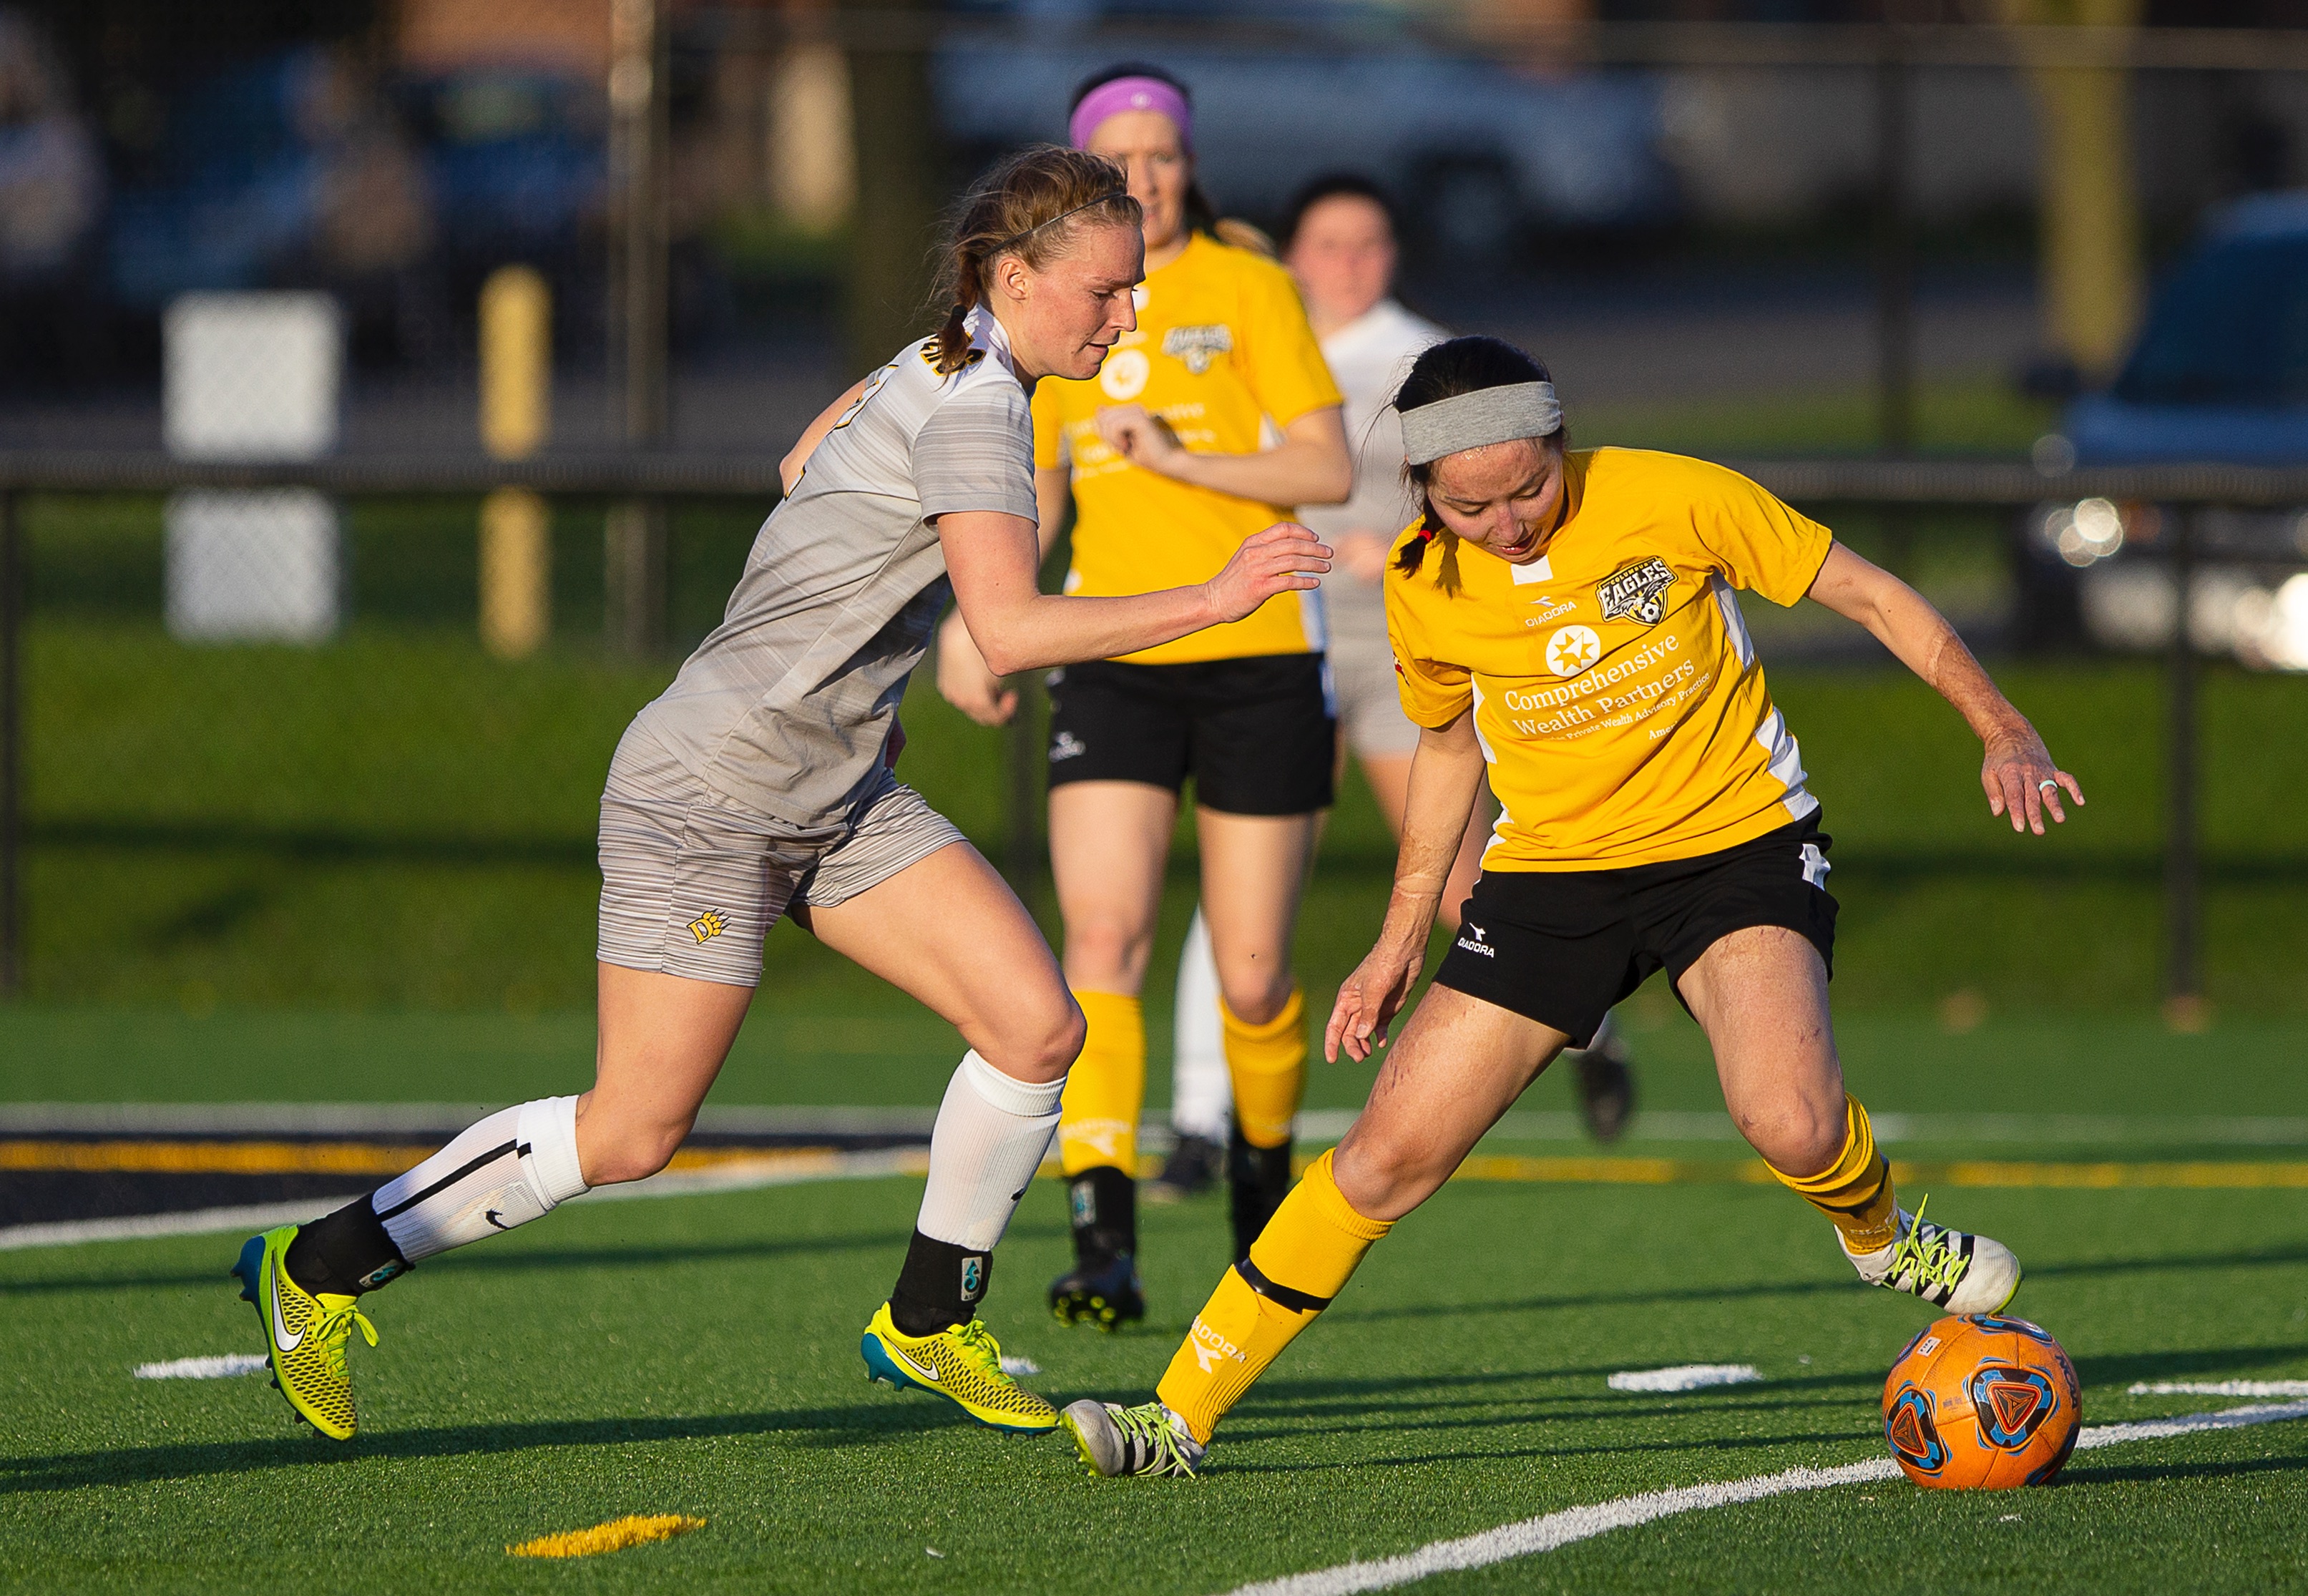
[(1254, 875), (663, 1038), (1459, 1065), (1760, 996), (1108, 842)]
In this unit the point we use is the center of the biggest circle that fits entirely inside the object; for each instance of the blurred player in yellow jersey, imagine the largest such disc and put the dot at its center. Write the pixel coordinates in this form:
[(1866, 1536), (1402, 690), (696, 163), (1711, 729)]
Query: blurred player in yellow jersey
[(1214, 418), (1569, 621)]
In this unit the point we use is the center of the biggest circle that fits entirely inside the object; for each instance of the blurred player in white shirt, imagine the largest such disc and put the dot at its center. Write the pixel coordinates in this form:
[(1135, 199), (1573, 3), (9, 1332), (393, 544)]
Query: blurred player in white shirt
[(1340, 246)]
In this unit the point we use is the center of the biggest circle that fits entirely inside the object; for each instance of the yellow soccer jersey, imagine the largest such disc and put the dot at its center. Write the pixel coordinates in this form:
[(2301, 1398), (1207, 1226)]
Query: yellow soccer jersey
[(1616, 693), (1222, 352)]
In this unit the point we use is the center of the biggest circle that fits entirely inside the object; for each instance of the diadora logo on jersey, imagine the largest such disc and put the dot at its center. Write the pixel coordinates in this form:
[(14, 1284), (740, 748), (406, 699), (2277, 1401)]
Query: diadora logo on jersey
[(1550, 609), (1067, 745), (708, 926), (1474, 941), (1635, 590), (973, 1278), (1198, 346), (1572, 649), (1210, 1346), (1123, 375)]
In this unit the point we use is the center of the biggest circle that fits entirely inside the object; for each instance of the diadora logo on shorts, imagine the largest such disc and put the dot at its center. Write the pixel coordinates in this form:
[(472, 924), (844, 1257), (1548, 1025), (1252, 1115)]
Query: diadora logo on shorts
[(1198, 346), (1635, 590), (1067, 745), (1210, 1346), (973, 1278), (1572, 649), (708, 926), (1474, 941)]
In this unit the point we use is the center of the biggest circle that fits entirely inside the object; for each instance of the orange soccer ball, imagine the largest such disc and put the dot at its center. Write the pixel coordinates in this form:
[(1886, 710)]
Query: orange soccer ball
[(1982, 1403)]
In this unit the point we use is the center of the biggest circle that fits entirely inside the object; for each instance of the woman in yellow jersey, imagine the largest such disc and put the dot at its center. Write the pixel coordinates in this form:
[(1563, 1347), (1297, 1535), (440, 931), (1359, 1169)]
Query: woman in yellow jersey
[(1206, 423), (1568, 620)]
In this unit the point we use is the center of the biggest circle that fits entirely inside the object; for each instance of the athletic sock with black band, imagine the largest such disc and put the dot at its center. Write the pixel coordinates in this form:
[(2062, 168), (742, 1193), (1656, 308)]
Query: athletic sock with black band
[(1855, 1191), (1304, 1258), (1268, 1066), (517, 1165), (992, 1133), (1098, 1127)]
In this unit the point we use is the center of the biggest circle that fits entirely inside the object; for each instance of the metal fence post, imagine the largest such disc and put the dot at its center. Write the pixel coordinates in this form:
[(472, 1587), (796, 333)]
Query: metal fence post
[(2183, 988), (1895, 248), (640, 140), (11, 748)]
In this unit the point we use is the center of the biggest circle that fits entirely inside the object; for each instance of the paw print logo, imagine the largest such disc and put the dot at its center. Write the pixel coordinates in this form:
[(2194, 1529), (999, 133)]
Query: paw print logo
[(1572, 649)]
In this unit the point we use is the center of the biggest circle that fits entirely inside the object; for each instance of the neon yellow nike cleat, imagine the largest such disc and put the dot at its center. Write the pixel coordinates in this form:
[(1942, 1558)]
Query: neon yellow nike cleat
[(304, 1335), (962, 1363)]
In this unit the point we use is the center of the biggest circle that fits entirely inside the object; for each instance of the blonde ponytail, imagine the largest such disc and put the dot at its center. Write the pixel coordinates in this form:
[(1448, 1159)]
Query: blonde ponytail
[(1029, 205)]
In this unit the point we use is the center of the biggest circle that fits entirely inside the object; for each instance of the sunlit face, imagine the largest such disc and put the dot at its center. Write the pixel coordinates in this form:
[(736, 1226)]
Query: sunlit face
[(1503, 497), (1343, 256), (1063, 317), (1147, 147)]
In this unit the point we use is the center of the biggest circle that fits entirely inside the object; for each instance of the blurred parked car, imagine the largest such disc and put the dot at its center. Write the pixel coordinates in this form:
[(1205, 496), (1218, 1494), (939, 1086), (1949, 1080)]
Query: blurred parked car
[(291, 171), (1480, 152), (2221, 373)]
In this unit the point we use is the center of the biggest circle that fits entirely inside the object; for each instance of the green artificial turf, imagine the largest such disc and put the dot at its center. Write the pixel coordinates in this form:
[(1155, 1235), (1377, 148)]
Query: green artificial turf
[(698, 1356)]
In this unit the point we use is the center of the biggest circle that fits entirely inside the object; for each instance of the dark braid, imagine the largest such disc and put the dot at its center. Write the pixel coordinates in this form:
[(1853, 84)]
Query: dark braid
[(1029, 206), (1446, 370)]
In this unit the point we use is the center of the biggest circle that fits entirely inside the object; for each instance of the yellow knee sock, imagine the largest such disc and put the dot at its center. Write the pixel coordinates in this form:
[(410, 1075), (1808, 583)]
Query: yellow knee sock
[(1098, 1116), (1269, 1065), (1855, 1191), (1304, 1256)]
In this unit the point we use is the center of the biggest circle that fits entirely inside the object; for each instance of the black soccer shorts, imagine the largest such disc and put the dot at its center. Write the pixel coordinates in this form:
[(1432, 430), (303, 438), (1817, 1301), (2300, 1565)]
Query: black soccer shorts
[(1563, 946), (1259, 735)]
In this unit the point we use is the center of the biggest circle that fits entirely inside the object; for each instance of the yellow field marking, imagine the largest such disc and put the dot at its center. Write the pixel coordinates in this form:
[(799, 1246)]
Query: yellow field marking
[(1659, 1171), (619, 1533), (214, 1158)]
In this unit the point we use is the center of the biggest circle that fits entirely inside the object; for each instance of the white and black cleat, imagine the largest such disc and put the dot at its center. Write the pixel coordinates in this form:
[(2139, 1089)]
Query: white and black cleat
[(1953, 1270), (1116, 1441)]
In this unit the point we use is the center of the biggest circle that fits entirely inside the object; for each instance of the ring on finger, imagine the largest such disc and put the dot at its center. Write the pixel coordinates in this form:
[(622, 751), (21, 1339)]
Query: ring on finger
[(2047, 785)]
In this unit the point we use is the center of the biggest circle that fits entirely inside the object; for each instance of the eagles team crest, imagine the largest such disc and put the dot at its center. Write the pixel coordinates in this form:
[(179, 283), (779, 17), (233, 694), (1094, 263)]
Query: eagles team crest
[(1636, 591), (1198, 346)]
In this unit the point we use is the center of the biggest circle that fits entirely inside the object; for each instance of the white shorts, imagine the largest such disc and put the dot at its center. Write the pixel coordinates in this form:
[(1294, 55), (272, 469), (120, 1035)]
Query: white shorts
[(1371, 720), (692, 883)]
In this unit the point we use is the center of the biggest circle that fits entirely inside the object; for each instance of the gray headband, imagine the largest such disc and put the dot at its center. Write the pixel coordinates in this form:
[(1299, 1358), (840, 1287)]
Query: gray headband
[(1486, 416)]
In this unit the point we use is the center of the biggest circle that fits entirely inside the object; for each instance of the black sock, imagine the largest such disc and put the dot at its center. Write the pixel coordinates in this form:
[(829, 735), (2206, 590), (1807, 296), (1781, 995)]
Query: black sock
[(940, 1286), (1102, 1206), (346, 1252), (1259, 1179)]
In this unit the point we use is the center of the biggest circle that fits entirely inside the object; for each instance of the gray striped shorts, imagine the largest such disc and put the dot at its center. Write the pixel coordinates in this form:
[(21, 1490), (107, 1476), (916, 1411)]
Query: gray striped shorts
[(692, 883)]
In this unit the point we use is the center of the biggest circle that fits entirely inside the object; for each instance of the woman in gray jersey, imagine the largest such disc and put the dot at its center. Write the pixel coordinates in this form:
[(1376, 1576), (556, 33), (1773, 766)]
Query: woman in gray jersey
[(760, 783)]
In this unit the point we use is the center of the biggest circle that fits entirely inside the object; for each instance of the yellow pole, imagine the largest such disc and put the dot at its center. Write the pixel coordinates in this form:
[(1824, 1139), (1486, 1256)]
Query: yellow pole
[(2090, 266), (516, 417)]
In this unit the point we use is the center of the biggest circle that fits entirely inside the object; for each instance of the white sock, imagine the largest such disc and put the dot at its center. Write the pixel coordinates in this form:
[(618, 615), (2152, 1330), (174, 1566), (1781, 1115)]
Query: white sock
[(1201, 1092), (991, 1132), (513, 1167)]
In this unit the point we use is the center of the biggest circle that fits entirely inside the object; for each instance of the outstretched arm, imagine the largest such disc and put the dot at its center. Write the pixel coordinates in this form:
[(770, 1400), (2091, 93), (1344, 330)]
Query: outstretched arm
[(962, 677), (995, 559), (2017, 774), (1446, 773)]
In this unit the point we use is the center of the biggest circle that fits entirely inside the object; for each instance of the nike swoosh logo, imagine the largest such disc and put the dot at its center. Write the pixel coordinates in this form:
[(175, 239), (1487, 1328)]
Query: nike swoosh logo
[(280, 1336), (930, 1375)]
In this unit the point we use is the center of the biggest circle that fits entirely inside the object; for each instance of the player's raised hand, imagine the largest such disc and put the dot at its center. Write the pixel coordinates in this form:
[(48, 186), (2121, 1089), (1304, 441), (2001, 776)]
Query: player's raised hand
[(1369, 1001), (1139, 436), (1284, 557), (2022, 782)]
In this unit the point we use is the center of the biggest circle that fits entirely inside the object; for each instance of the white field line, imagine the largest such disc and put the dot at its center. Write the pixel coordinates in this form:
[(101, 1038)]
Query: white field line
[(738, 1175), (2221, 1388), (1685, 1376), (223, 1365), (1550, 1530)]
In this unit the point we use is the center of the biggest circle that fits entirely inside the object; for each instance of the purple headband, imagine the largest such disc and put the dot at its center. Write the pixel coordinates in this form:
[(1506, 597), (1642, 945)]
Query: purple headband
[(1130, 94)]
